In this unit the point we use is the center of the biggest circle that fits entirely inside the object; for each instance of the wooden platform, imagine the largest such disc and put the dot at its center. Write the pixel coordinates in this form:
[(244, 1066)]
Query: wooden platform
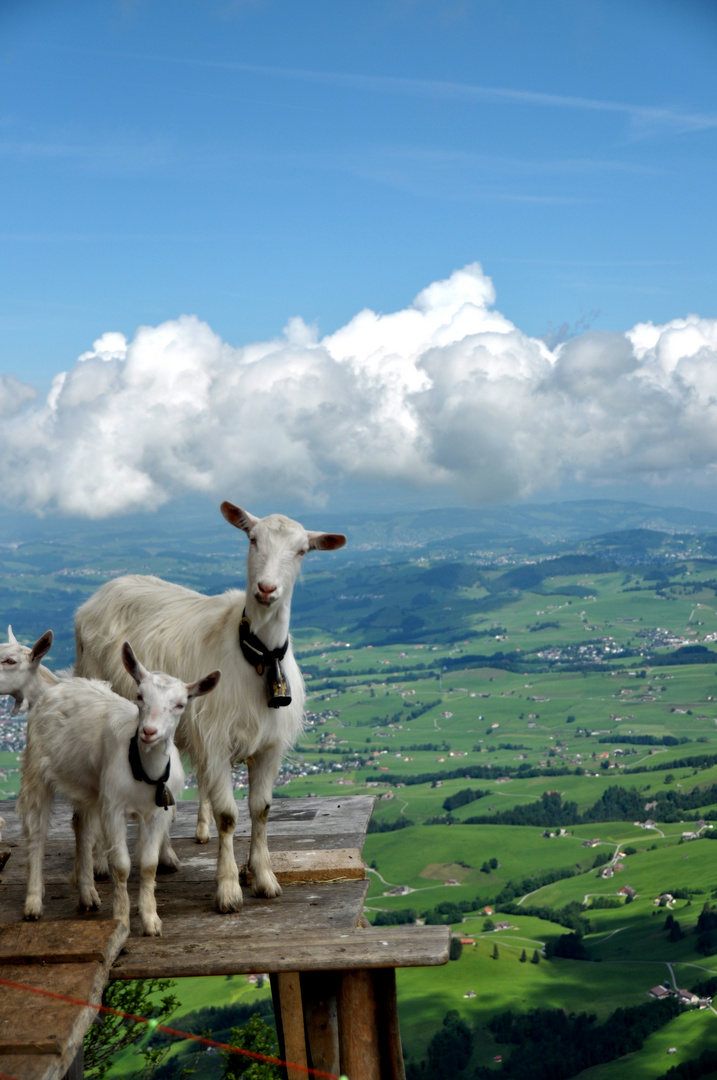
[(324, 961)]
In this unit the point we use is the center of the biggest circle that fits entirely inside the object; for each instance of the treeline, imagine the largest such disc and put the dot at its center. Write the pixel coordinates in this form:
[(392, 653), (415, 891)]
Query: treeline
[(570, 916), (550, 1045), (615, 804), (687, 654), (479, 772), (463, 797), (404, 716), (644, 740), (549, 811), (389, 826), (397, 917), (697, 761), (547, 1044), (447, 912)]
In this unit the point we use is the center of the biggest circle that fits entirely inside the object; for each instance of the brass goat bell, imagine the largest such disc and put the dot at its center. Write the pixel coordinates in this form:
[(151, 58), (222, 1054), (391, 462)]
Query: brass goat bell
[(277, 686)]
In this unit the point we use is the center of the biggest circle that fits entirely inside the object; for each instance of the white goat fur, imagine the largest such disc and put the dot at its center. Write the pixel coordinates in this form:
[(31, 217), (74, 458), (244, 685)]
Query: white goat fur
[(78, 737), (182, 631), (22, 676)]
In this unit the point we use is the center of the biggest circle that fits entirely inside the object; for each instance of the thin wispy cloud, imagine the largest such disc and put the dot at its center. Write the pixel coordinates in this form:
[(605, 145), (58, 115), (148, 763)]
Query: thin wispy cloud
[(644, 119)]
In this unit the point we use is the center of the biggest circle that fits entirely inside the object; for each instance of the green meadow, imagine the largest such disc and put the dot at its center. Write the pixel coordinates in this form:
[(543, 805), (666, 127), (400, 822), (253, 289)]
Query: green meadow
[(470, 662)]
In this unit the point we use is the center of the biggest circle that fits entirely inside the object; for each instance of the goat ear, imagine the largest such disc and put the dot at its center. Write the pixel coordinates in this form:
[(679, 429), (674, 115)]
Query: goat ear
[(203, 686), (132, 664), (41, 646), (319, 541), (12, 640), (240, 519)]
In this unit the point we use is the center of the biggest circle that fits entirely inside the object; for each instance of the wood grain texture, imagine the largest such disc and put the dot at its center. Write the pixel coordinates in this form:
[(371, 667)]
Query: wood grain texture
[(75, 942), (315, 949), (359, 1042), (40, 1036), (291, 1012), (332, 864)]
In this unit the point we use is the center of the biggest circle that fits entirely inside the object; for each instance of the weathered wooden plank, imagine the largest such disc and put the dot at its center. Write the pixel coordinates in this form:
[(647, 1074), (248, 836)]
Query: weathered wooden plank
[(187, 909), (334, 864), (323, 949), (34, 1026), (61, 942), (294, 824)]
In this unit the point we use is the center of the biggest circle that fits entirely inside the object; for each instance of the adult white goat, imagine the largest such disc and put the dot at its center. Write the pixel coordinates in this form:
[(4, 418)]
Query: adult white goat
[(257, 711), (22, 676), (111, 758)]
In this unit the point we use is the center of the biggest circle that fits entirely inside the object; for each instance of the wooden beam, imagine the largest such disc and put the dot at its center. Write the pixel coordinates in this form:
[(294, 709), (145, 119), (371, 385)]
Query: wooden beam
[(324, 949), (332, 864)]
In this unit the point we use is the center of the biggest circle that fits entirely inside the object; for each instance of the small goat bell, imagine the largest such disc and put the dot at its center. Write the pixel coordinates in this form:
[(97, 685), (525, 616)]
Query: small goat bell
[(164, 797), (277, 687)]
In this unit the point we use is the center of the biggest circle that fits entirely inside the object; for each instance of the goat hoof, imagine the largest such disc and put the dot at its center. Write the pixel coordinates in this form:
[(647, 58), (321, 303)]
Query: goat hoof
[(266, 886), (228, 899), (90, 901), (31, 916), (153, 927), (202, 838), (169, 867)]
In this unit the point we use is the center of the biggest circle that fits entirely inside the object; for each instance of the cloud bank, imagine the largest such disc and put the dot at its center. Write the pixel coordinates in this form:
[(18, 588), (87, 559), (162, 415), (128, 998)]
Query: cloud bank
[(447, 392)]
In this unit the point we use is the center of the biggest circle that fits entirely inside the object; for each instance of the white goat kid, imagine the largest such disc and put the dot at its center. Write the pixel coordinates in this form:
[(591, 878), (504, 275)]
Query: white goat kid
[(112, 759), (257, 711), (22, 676)]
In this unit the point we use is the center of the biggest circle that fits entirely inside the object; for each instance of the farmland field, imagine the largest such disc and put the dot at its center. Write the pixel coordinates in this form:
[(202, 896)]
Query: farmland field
[(536, 715)]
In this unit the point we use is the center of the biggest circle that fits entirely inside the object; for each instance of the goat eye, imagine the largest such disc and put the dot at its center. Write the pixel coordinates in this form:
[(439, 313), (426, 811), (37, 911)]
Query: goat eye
[(9, 662), (140, 698)]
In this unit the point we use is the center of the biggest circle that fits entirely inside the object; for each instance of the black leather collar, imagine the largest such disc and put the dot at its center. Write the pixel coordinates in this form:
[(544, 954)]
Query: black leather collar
[(266, 662), (162, 796)]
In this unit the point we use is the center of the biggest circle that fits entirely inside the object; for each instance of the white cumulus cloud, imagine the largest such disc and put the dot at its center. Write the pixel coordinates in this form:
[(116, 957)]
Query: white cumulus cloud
[(446, 392)]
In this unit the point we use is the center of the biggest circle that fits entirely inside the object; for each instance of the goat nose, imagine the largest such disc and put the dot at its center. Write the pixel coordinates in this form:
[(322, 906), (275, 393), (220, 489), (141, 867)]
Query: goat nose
[(266, 589), (149, 732)]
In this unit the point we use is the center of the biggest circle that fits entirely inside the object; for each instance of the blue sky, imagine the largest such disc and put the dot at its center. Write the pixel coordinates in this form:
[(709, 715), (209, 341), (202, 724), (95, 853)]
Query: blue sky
[(234, 166)]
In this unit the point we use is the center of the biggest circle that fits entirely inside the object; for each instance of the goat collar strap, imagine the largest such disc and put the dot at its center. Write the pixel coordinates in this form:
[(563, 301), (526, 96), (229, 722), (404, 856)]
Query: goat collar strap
[(266, 662), (162, 796)]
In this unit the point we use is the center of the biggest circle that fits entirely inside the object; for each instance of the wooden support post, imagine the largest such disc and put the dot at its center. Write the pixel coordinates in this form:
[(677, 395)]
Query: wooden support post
[(319, 995), (384, 980), (289, 1015), (359, 1044)]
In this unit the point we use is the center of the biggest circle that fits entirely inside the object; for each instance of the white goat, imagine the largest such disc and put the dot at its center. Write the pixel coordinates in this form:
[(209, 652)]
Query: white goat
[(22, 676), (111, 758), (258, 710)]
